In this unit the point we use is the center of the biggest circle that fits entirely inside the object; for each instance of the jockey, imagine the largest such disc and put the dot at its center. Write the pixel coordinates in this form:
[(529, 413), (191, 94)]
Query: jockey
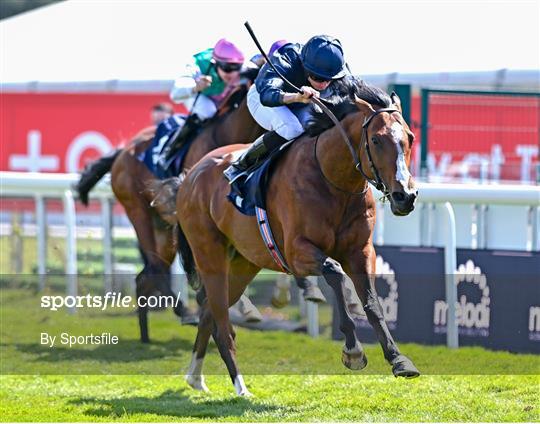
[(259, 59), (213, 74), (313, 67)]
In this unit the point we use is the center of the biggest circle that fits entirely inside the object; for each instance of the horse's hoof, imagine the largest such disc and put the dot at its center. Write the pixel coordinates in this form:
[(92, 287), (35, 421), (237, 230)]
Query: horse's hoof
[(314, 294), (354, 359), (403, 367), (281, 297), (145, 340), (249, 311), (197, 382), (246, 393), (240, 387), (253, 316)]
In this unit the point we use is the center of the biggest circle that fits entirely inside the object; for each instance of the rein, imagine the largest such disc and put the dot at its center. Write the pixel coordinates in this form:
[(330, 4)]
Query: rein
[(351, 193), (377, 182)]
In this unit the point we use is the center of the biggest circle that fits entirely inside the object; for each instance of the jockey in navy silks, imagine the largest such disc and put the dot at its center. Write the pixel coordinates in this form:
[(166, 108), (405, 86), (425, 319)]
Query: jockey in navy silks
[(313, 67)]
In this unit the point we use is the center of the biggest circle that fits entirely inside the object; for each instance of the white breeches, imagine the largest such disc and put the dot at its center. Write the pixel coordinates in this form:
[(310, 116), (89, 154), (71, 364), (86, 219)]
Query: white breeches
[(279, 119), (205, 108)]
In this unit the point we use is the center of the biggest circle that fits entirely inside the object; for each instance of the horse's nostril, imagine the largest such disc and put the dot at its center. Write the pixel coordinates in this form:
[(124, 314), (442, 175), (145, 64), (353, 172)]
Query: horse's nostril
[(398, 196)]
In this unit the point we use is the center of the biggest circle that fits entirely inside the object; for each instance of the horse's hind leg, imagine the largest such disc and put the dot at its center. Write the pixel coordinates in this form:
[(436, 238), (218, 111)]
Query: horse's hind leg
[(241, 273), (165, 238), (127, 183), (362, 272), (142, 312), (222, 290), (194, 376)]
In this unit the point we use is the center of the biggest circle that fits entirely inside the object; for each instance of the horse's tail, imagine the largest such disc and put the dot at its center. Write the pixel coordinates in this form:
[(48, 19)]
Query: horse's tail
[(93, 173), (164, 202), (188, 262)]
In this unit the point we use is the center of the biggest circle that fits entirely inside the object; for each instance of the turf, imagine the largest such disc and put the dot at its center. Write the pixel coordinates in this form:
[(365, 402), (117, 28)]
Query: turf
[(282, 370)]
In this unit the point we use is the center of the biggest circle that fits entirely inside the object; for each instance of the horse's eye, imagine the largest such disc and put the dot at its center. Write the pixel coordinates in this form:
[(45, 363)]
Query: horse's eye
[(374, 140)]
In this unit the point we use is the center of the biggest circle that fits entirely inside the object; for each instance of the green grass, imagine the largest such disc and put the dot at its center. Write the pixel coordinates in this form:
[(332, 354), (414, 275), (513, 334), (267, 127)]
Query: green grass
[(284, 372), (89, 254), (276, 398)]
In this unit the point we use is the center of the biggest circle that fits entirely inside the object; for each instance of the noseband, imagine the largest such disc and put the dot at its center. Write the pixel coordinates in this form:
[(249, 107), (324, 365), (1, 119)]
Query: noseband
[(377, 182)]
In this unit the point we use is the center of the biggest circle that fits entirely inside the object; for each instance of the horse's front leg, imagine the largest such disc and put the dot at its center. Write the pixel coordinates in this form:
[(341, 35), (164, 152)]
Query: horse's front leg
[(310, 260), (360, 266)]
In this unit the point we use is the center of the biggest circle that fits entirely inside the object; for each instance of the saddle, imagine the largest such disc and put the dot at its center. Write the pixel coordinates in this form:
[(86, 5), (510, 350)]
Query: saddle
[(167, 133), (175, 149), (248, 195), (248, 188)]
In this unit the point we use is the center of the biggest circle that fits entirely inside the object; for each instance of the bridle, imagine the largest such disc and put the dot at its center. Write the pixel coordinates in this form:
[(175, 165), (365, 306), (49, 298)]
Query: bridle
[(377, 182)]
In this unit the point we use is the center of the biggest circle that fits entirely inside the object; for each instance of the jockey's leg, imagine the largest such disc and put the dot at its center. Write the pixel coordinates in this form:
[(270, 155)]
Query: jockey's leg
[(200, 111), (205, 108), (281, 123), (260, 148)]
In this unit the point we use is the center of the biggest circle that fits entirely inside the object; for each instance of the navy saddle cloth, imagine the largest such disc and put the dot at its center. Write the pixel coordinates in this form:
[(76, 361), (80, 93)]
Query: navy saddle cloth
[(165, 130), (249, 187)]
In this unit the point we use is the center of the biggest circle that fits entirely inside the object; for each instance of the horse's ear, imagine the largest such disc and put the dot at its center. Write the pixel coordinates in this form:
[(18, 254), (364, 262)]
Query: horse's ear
[(396, 101), (364, 106)]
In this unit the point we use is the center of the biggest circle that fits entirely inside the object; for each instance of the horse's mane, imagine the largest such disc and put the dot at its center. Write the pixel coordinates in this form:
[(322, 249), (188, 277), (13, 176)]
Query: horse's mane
[(341, 103)]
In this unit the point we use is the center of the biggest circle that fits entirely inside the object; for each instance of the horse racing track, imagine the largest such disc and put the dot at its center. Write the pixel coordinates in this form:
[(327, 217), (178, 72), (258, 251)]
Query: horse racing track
[(292, 376)]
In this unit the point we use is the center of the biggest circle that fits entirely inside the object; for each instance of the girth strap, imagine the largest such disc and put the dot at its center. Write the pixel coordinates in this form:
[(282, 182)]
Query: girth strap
[(268, 238)]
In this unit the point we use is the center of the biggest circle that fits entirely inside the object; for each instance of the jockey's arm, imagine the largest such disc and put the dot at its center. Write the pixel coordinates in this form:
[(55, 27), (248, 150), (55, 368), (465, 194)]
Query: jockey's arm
[(272, 89), (186, 85)]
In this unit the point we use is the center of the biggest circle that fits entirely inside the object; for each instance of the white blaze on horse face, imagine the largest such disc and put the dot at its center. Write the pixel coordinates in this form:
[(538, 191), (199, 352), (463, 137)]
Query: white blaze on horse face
[(396, 130), (402, 171)]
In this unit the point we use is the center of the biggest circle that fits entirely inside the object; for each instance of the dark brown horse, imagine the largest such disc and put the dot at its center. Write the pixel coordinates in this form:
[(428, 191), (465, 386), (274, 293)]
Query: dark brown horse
[(322, 214), (131, 180)]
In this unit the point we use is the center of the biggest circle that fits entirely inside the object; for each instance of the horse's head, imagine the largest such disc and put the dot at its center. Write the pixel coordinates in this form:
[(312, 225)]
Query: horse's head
[(387, 140)]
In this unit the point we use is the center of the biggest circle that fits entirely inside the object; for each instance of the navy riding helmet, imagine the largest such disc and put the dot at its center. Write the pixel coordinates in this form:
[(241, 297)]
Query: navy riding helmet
[(322, 56)]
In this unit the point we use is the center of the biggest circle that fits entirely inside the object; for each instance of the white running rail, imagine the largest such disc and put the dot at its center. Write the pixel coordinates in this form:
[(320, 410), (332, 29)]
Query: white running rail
[(40, 185)]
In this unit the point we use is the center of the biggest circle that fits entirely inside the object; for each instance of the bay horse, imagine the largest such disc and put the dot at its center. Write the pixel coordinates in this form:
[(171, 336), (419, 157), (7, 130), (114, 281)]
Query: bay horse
[(321, 211), (132, 184)]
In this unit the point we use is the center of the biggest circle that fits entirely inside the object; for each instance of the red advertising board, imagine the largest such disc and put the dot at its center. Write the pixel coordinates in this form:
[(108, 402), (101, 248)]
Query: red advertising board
[(469, 135), (61, 132)]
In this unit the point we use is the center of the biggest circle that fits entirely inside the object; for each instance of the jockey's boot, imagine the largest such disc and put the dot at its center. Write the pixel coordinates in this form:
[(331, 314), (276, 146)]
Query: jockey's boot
[(177, 140), (260, 148)]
